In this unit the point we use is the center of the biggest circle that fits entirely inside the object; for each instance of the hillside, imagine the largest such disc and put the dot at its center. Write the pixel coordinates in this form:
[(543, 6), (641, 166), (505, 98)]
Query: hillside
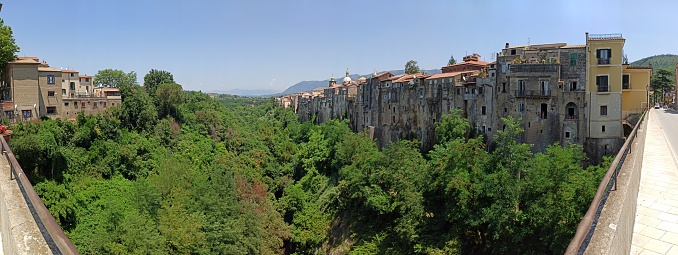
[(310, 85), (662, 61)]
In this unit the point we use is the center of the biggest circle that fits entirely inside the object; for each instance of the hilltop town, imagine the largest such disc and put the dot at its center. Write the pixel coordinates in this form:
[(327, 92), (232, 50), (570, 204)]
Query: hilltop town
[(31, 89), (585, 94)]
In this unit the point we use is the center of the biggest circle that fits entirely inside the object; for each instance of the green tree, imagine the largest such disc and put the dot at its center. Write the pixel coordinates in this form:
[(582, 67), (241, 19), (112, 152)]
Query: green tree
[(8, 47), (662, 83), (169, 95), (452, 61), (137, 110), (411, 67), (155, 78), (111, 78)]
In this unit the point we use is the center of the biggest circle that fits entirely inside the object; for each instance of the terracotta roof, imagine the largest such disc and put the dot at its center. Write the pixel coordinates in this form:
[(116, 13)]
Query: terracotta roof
[(574, 46), (68, 71), (409, 77), (452, 74), (25, 57), (24, 61), (84, 76), (48, 69)]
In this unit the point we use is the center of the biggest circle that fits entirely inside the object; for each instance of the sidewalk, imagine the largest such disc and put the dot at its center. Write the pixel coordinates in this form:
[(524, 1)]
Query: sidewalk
[(656, 227)]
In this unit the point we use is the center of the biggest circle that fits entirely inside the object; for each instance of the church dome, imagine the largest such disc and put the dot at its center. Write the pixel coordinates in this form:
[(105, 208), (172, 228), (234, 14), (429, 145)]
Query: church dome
[(347, 79)]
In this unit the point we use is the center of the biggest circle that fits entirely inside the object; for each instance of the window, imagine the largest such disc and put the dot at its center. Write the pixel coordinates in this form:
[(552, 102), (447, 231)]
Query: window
[(571, 113), (483, 110), (603, 129), (50, 93), (521, 107), (544, 87), (625, 82), (9, 115), (26, 114), (63, 91), (95, 105), (573, 86), (505, 109), (82, 105), (529, 124), (51, 110), (604, 56), (71, 74), (480, 90), (603, 110), (544, 109), (458, 91), (573, 59), (521, 88), (72, 85), (104, 104), (601, 82), (50, 79), (513, 51), (66, 104), (503, 87), (567, 134), (86, 79)]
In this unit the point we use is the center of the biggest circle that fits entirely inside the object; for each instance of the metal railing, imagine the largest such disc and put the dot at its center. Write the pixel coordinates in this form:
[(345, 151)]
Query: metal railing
[(603, 61), (57, 241), (532, 93), (605, 36), (588, 223)]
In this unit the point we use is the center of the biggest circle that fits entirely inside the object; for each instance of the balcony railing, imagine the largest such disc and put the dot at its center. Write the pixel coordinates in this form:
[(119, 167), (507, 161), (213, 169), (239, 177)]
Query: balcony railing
[(532, 93), (603, 61), (603, 88), (535, 68)]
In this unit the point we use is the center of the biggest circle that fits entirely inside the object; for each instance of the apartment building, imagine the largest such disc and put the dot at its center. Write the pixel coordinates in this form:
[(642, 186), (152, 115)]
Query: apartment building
[(33, 90)]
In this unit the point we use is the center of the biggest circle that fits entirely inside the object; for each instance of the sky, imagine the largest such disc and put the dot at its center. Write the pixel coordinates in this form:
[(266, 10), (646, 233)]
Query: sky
[(223, 45)]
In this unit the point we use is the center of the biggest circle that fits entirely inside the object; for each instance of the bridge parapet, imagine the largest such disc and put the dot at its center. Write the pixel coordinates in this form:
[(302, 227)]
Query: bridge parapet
[(26, 225), (607, 226)]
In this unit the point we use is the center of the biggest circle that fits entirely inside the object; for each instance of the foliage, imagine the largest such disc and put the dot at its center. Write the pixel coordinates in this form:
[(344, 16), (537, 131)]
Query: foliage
[(663, 61), (155, 78), (238, 175), (452, 61), (411, 67), (8, 47), (110, 78), (169, 95)]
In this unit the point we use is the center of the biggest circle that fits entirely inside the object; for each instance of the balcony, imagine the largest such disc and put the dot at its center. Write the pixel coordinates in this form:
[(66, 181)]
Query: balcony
[(535, 68), (532, 93), (603, 61), (469, 96)]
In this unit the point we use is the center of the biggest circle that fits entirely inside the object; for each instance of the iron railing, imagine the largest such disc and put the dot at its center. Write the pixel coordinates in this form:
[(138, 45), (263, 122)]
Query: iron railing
[(588, 223), (57, 241), (532, 93)]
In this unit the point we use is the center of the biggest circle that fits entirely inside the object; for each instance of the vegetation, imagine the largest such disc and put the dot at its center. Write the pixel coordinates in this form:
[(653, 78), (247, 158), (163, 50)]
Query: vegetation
[(452, 61), (155, 78), (240, 176), (110, 78), (8, 47), (663, 61), (411, 67)]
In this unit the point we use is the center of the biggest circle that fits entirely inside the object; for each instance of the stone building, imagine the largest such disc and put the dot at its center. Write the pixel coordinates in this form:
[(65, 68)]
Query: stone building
[(32, 90), (581, 94)]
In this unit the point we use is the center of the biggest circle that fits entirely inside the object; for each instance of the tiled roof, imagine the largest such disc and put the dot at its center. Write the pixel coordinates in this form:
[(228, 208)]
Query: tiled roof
[(638, 67), (452, 74), (24, 61), (84, 76), (48, 69), (574, 46), (68, 71), (409, 77)]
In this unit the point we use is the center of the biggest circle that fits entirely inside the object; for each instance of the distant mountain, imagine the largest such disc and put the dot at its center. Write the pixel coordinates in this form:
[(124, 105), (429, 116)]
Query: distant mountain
[(663, 61), (310, 85), (248, 92)]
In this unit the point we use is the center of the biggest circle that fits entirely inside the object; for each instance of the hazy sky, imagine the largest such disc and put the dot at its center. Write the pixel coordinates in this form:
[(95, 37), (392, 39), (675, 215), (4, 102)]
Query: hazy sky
[(222, 45)]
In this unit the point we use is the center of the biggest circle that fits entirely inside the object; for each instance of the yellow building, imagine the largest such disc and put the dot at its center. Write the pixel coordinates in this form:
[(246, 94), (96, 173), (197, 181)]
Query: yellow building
[(614, 91), (635, 89)]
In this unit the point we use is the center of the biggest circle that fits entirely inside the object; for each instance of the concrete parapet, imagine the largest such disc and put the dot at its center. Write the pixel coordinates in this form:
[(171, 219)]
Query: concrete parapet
[(614, 230)]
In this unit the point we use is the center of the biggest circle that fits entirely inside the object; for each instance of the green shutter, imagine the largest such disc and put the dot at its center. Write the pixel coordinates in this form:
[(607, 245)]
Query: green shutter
[(573, 59)]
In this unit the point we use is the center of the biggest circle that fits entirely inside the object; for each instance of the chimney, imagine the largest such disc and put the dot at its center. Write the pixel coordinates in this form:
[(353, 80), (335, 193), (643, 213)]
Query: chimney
[(507, 45)]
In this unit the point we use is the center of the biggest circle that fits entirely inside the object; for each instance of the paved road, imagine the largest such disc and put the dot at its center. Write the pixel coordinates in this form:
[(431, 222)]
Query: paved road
[(656, 227)]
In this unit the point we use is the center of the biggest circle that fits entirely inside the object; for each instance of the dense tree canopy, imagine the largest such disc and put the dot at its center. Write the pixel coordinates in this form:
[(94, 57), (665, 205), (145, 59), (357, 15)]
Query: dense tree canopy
[(452, 61), (8, 47), (110, 78), (411, 67), (155, 78), (238, 175)]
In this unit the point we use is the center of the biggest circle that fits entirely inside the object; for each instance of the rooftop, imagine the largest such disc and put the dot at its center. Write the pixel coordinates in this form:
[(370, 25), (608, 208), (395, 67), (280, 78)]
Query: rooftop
[(604, 36), (451, 74)]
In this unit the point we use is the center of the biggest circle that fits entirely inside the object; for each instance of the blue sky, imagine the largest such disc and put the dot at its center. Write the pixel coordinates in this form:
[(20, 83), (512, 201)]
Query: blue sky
[(223, 45)]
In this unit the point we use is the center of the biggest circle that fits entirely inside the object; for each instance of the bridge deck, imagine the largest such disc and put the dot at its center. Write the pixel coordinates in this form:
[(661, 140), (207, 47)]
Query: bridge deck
[(656, 227)]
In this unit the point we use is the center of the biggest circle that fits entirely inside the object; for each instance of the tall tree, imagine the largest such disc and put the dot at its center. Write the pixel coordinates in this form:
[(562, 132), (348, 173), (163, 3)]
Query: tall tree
[(411, 67), (155, 78), (452, 61), (169, 95), (8, 47), (137, 110), (661, 82), (110, 78)]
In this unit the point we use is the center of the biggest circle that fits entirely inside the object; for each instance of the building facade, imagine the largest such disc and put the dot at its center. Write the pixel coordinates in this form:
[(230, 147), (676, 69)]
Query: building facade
[(561, 94), (33, 90)]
